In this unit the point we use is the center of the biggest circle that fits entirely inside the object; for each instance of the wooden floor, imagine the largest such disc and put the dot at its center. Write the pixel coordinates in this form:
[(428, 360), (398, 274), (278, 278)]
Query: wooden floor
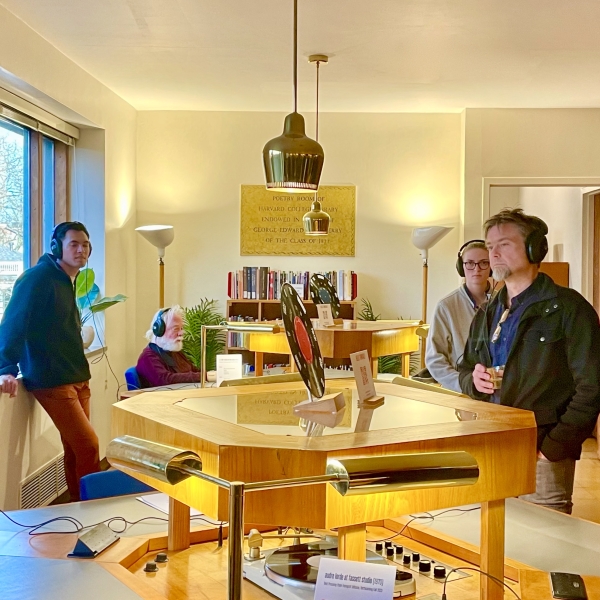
[(586, 494)]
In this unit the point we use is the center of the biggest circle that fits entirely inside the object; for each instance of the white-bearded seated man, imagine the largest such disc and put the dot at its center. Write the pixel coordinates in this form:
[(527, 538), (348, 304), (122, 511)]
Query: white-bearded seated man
[(162, 361)]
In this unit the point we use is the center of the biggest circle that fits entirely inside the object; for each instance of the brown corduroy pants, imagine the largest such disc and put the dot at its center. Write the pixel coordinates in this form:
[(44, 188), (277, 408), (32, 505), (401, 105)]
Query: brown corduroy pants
[(69, 408)]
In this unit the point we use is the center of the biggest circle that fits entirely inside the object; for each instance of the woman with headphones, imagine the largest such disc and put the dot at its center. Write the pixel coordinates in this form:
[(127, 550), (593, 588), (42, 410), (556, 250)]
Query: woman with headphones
[(449, 328)]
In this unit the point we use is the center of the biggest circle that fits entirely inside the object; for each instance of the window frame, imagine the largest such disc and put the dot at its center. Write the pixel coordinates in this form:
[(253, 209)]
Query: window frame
[(62, 196)]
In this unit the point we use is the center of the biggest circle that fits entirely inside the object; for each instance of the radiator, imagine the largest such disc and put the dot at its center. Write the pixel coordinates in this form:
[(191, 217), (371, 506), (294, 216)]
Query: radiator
[(43, 486)]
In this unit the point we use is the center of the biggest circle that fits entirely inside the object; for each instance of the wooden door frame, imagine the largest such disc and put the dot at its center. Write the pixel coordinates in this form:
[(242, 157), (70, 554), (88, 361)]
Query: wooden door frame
[(594, 206)]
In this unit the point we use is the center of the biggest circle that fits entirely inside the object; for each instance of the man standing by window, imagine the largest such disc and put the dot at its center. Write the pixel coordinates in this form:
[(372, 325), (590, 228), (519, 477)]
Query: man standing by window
[(544, 341), (40, 335)]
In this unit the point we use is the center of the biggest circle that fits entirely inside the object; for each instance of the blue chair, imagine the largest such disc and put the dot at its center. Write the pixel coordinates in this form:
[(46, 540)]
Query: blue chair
[(106, 484), (132, 379)]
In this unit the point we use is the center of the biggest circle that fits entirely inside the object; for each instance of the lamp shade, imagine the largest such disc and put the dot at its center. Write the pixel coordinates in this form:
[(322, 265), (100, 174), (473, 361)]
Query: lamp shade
[(293, 162), (425, 238), (316, 221), (151, 459), (401, 472), (160, 236)]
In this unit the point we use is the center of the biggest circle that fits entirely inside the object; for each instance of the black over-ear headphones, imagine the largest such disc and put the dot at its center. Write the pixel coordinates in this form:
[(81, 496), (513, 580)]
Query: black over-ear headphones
[(459, 263), (159, 326), (536, 243), (56, 242)]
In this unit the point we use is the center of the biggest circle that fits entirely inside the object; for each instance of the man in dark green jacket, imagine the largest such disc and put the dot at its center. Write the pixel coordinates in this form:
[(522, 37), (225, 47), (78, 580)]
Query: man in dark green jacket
[(40, 336), (546, 339)]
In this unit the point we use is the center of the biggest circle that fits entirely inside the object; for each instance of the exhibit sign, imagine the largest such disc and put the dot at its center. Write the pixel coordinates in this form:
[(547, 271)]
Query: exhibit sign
[(351, 580), (271, 222)]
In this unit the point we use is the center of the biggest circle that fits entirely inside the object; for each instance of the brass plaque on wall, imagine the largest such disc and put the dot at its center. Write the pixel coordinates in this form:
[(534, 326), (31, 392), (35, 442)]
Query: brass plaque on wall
[(271, 222)]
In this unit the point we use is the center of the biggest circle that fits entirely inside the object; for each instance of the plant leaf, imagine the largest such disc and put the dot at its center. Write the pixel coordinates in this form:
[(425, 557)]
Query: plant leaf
[(367, 313), (105, 303), (87, 299), (84, 283)]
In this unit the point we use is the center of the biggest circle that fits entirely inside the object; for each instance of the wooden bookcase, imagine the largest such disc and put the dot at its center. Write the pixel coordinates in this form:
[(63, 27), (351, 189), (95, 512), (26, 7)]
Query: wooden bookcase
[(269, 310)]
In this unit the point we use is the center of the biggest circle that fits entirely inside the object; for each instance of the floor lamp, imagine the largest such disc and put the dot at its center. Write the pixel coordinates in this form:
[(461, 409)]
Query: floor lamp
[(160, 236), (425, 238)]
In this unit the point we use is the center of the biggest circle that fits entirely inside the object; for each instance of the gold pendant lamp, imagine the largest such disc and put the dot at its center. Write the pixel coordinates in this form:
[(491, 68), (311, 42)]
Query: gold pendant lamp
[(293, 162), (316, 220)]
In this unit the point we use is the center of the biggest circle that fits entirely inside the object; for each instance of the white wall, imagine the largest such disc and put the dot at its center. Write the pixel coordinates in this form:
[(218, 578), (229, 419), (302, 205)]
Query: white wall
[(33, 68), (524, 143), (504, 197), (190, 166), (29, 440), (561, 209)]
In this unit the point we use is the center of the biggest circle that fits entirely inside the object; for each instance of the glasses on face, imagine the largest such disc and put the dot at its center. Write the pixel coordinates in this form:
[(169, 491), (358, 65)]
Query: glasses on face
[(471, 264), (498, 329)]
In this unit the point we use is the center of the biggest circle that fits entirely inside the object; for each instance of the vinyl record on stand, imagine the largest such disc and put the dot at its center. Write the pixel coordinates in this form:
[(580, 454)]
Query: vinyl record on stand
[(303, 341), (322, 292)]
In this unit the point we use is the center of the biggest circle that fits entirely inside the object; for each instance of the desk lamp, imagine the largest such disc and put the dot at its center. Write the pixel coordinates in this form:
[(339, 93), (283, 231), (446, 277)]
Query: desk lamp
[(371, 475), (239, 326), (160, 236)]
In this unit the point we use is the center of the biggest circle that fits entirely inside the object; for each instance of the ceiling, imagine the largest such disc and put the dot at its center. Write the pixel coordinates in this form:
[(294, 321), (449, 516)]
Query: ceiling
[(386, 55)]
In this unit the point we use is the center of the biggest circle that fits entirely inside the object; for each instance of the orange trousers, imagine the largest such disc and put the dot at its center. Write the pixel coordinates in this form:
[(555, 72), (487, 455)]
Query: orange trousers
[(69, 408)]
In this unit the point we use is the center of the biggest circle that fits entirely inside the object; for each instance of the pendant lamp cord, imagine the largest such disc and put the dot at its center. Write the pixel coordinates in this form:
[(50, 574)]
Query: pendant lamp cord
[(295, 55), (317, 119)]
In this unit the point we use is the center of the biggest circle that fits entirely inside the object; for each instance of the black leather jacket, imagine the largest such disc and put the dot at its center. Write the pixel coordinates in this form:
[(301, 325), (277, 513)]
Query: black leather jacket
[(553, 367)]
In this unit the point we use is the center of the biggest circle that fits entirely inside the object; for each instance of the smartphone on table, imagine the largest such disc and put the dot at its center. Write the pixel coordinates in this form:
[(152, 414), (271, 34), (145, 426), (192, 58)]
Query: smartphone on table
[(567, 586)]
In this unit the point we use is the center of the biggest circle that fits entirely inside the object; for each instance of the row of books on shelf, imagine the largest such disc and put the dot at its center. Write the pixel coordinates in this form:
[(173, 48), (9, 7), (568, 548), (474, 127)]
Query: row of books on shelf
[(260, 283), (234, 339)]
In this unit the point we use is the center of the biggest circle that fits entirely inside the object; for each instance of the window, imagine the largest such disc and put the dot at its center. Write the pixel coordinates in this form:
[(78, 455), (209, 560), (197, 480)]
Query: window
[(14, 202), (33, 198)]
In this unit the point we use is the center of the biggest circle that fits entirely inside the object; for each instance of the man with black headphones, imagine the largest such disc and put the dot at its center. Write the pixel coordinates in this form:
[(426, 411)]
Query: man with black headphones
[(162, 362), (40, 336), (546, 339), (453, 315)]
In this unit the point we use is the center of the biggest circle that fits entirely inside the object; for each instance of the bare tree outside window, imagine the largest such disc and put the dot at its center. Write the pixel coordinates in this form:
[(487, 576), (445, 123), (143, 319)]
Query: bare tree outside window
[(13, 141)]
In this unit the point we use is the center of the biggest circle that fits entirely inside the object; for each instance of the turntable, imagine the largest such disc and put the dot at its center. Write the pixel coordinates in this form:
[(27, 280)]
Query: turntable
[(290, 573)]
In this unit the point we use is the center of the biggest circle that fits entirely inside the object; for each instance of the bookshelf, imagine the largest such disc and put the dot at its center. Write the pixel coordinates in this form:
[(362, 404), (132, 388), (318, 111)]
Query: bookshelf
[(270, 310)]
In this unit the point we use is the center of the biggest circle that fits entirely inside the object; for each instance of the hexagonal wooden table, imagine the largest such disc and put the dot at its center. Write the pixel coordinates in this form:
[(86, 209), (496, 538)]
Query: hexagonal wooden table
[(250, 434)]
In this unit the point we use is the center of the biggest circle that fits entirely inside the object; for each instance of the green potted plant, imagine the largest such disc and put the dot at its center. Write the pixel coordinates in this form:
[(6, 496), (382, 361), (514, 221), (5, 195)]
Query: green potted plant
[(204, 313), (89, 302)]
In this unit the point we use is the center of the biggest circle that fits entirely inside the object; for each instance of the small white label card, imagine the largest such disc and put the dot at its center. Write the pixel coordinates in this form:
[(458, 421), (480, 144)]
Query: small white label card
[(299, 287), (363, 375), (350, 580), (229, 366), (325, 315)]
